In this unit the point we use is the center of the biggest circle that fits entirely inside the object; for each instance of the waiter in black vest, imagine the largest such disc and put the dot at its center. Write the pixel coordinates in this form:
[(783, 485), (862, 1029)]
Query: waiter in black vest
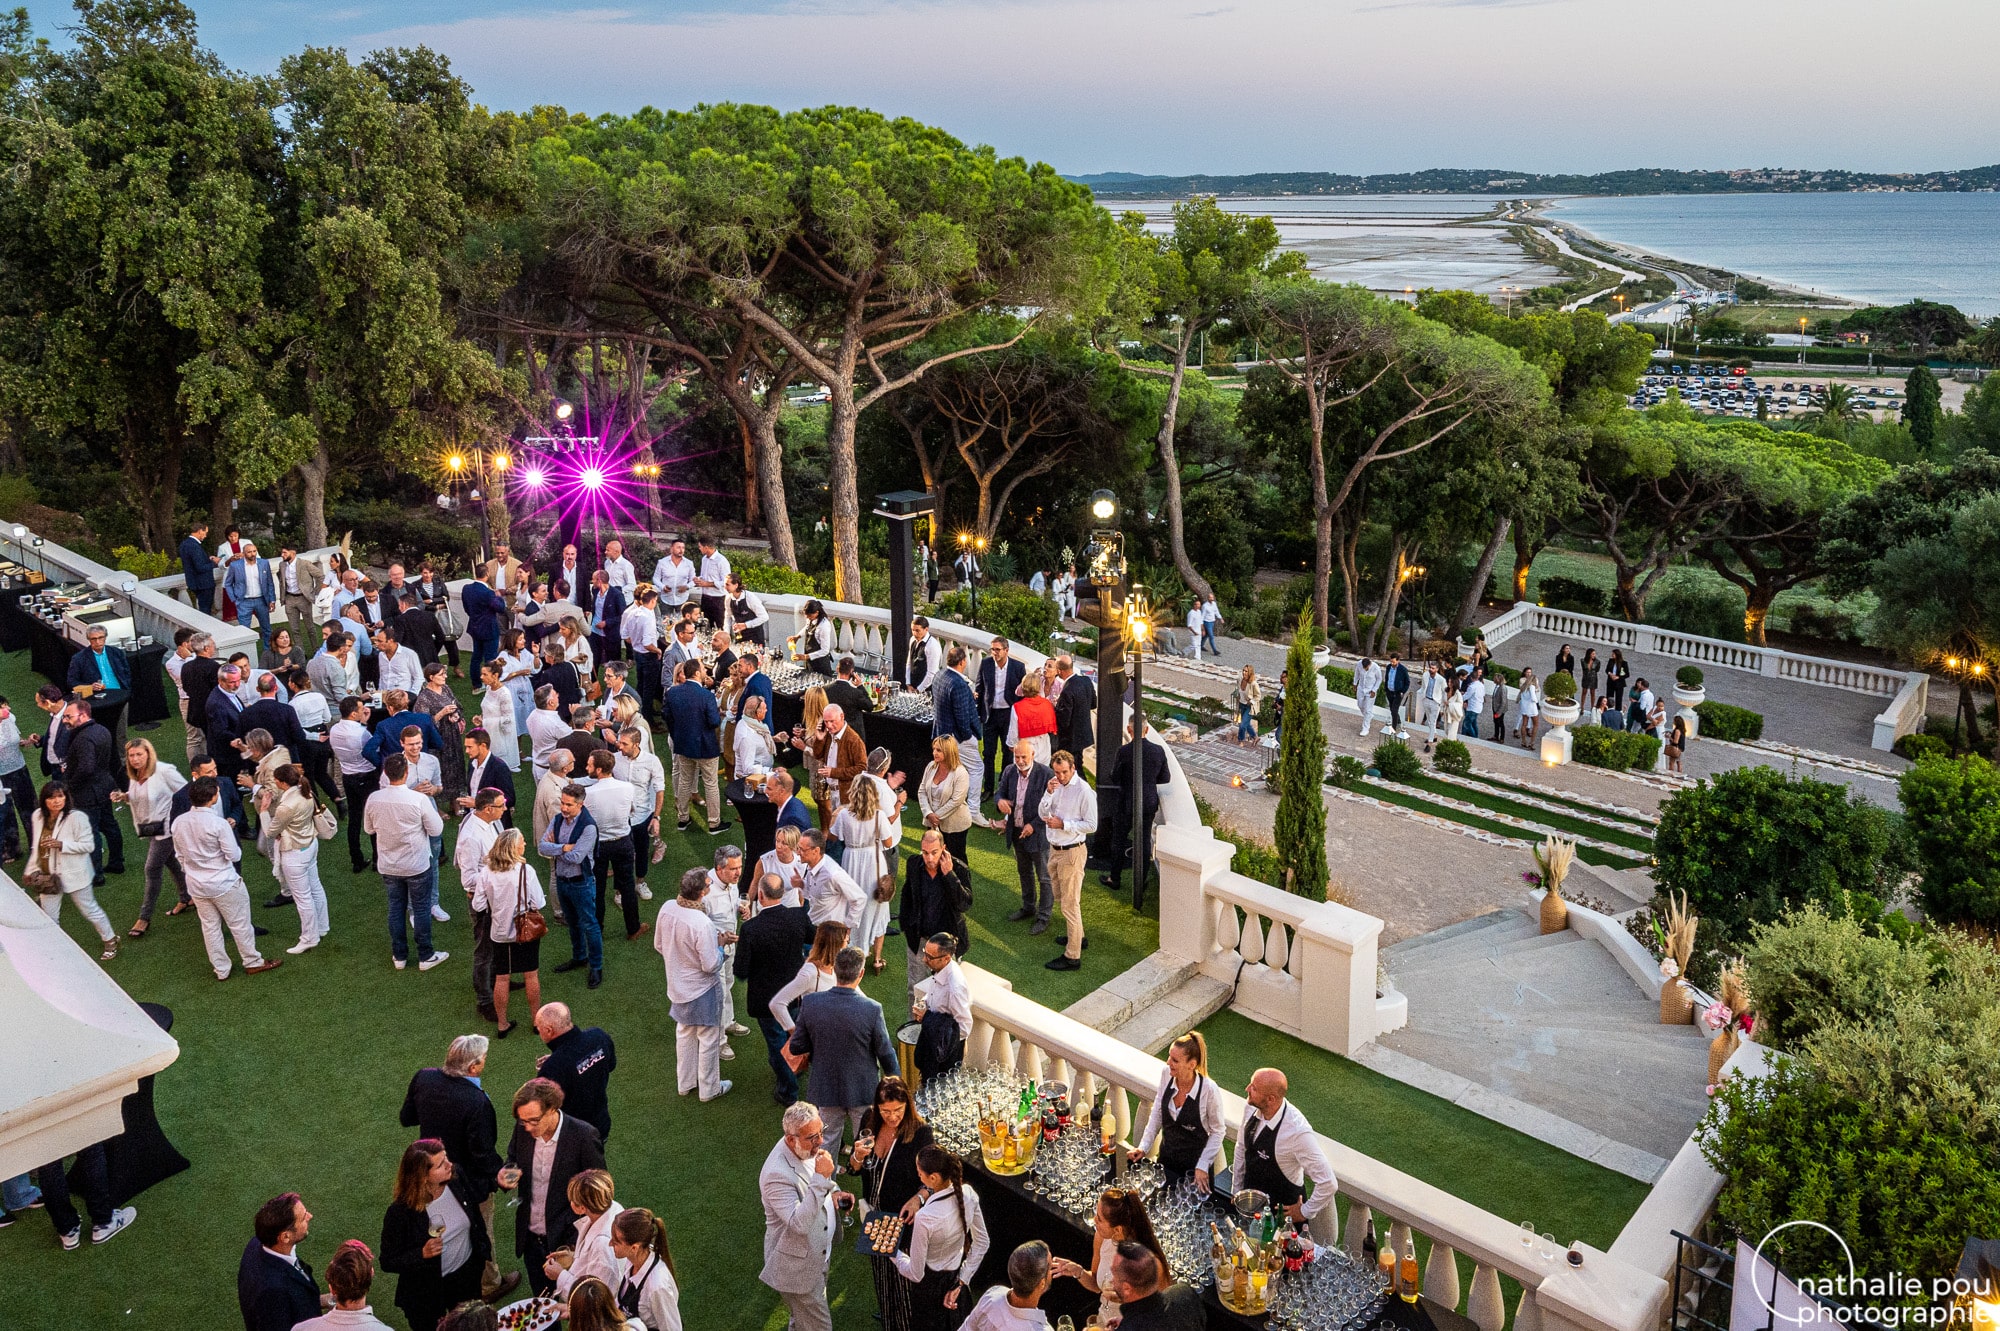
[(1279, 1153)]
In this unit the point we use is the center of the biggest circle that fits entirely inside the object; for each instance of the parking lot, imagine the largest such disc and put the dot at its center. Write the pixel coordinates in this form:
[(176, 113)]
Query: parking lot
[(1720, 392)]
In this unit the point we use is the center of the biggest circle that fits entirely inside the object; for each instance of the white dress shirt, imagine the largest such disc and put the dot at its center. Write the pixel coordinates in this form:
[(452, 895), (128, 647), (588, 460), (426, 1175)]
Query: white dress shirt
[(315, 713), (593, 1254), (945, 991), (810, 980), (715, 572), (347, 740), (476, 837), (207, 849), (673, 579), (425, 771), (685, 937), (648, 779), (610, 802), (755, 605), (720, 903), (620, 573), (1211, 1117), (994, 1313), (576, 579), (939, 1239), (754, 749), (933, 654), (1076, 805), (1298, 1155), (401, 671), (545, 727), (659, 1296), (253, 582), (640, 629), (403, 823), (831, 894)]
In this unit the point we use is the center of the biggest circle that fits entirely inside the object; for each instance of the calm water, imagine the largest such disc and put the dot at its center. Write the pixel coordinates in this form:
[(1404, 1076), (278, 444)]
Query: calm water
[(1884, 248)]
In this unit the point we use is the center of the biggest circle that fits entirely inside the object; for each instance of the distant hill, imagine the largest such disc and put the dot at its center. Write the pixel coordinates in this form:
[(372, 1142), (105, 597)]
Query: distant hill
[(1519, 184)]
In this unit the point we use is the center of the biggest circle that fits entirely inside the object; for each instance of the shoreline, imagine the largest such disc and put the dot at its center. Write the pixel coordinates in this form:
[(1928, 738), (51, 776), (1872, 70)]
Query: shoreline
[(1536, 212)]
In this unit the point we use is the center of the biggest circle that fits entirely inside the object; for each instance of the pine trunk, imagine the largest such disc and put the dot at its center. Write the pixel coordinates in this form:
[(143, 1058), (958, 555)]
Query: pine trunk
[(312, 491), (1482, 572), (1170, 464), (763, 426)]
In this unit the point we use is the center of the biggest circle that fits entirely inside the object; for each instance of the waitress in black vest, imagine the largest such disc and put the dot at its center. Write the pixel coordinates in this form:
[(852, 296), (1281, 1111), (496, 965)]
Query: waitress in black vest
[(1187, 1115), (1280, 1152)]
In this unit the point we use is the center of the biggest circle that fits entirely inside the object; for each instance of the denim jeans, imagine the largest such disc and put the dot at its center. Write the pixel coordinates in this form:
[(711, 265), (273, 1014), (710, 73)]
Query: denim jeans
[(1244, 729), (411, 896), (1208, 639), (586, 935), (19, 1193), (786, 1083)]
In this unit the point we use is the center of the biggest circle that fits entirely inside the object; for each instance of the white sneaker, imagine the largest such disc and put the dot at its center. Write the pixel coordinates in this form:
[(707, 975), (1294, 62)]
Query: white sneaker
[(438, 914), (1364, 732), (720, 1093), (400, 963), (301, 946), (727, 1052), (435, 959), (737, 1028), (121, 1218), (645, 893), (73, 1240)]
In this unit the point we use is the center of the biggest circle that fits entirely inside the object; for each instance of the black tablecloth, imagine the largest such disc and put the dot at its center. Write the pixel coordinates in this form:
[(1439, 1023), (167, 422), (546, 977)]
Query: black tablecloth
[(759, 818), (141, 1156), (13, 619), (49, 652), (908, 742)]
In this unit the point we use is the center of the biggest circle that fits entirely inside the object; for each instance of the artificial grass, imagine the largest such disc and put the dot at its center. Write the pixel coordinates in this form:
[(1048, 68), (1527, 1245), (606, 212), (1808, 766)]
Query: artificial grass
[(1390, 793), (1501, 783), (1514, 808)]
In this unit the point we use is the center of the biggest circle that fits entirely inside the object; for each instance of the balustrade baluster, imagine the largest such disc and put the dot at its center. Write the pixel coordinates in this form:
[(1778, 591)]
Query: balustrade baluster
[(1527, 1313), (1441, 1274), (1252, 946), (1275, 947), (1486, 1307), (1360, 1223), (1227, 935)]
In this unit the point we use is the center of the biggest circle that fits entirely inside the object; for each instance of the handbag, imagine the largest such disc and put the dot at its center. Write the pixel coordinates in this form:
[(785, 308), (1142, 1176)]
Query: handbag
[(326, 823), (41, 879), (528, 924), (152, 827), (885, 882)]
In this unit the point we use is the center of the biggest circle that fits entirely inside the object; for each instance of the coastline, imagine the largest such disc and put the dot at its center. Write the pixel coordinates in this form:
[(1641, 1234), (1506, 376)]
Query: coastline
[(1536, 213)]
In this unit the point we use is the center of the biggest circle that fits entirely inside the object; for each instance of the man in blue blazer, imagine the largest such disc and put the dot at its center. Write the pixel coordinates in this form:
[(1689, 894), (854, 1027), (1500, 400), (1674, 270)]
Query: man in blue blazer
[(792, 811), (252, 586), (483, 612), (274, 1286), (100, 664), (954, 713), (198, 569), (844, 1033)]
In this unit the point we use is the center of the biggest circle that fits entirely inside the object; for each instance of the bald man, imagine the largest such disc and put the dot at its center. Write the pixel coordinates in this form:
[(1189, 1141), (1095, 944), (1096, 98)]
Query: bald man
[(1279, 1153), (581, 1060)]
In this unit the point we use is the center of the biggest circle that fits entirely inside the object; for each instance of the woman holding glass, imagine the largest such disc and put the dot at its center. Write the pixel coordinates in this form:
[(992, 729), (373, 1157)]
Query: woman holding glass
[(867, 831), (885, 1154), (1119, 1218), (948, 1241), (507, 887), (815, 976), (433, 1240), (149, 794), (436, 700), (590, 1196)]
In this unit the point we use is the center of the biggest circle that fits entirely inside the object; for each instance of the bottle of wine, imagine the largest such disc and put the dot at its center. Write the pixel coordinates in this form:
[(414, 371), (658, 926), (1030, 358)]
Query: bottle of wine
[(1385, 1264), (1217, 1254), (1409, 1282)]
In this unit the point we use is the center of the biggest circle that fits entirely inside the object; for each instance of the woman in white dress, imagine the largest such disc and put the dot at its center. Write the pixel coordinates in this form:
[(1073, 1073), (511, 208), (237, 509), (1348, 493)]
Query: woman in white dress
[(576, 646), (867, 831), (60, 841), (815, 975), (517, 669), (496, 713), (1529, 701), (651, 1292)]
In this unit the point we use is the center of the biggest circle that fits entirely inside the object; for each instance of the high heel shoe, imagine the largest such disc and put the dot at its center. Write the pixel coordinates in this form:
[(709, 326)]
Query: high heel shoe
[(502, 1032)]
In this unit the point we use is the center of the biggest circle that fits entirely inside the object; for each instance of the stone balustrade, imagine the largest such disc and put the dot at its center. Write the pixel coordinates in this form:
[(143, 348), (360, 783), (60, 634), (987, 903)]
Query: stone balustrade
[(1603, 1294), (156, 610)]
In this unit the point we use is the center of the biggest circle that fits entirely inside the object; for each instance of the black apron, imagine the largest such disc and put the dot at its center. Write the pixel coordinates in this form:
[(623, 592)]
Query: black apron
[(927, 1310), (1183, 1137), (632, 1287), (740, 611), (1259, 1167)]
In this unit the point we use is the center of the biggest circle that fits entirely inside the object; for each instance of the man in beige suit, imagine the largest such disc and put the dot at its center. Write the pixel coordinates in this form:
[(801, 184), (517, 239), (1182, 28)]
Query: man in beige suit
[(799, 1205)]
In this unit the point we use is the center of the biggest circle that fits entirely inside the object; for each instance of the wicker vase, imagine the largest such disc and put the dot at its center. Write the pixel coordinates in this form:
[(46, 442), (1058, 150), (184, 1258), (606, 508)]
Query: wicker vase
[(1555, 912), (1719, 1049), (1676, 1008)]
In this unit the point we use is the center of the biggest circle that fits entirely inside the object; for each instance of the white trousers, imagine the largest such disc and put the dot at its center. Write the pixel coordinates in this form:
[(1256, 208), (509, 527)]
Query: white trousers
[(300, 871), (698, 1059), (1367, 706), (975, 773), (86, 902), (1427, 714), (231, 910)]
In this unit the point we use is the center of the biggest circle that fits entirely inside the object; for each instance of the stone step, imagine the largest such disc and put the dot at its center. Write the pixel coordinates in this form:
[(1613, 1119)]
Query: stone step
[(1115, 1002), (1157, 1024), (1449, 931), (1475, 943), (1623, 889), (1500, 949)]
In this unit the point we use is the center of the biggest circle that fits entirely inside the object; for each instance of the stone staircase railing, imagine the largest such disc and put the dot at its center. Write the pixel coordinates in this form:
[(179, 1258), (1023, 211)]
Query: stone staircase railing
[(1605, 1293)]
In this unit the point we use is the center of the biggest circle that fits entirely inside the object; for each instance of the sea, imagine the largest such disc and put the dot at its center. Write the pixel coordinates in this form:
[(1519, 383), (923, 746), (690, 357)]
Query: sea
[(1880, 248)]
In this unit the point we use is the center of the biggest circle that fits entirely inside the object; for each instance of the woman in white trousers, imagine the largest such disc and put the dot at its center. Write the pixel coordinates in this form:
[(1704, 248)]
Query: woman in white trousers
[(296, 845), (61, 841)]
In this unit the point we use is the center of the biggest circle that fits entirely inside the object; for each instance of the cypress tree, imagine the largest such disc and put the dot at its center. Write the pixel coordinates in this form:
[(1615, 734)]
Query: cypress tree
[(1923, 406), (1300, 830)]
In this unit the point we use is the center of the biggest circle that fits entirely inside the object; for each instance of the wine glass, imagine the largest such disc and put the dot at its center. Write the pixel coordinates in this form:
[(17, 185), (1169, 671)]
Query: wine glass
[(1528, 1234), (1549, 1248)]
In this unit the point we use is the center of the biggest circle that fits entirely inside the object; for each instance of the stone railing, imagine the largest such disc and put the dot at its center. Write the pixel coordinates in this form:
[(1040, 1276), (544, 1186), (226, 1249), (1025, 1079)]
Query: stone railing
[(1647, 638), (156, 611), (862, 631), (1305, 967), (1905, 712), (1603, 1294)]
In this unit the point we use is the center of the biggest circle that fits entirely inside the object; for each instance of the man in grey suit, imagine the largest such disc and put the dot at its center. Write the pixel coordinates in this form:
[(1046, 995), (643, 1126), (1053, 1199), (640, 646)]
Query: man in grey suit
[(328, 669), (1020, 793), (796, 1186), (842, 1029)]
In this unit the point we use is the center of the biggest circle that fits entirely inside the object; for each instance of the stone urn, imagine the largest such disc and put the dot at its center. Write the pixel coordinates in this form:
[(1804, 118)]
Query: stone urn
[(1561, 714), (1688, 695), (1322, 654), (1555, 746)]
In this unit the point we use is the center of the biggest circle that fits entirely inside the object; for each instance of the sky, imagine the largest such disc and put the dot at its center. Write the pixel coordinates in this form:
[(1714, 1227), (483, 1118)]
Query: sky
[(1230, 86)]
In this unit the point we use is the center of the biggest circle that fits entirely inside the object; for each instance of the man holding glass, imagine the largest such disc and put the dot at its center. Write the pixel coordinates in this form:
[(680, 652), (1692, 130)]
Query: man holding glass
[(796, 1186), (548, 1150)]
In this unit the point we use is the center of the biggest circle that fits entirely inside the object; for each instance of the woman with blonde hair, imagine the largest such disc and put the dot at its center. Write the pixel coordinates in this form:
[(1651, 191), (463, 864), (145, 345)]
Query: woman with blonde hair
[(815, 976), (812, 706), (1119, 1218), (593, 1307), (1245, 698), (868, 830), (784, 860), (60, 840), (433, 1240), (507, 887), (651, 1292), (576, 646), (1187, 1115), (590, 1196), (149, 793), (295, 846), (941, 797), (625, 716)]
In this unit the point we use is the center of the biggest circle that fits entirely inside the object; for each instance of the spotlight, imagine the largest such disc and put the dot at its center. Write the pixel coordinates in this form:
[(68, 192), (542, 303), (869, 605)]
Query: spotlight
[(562, 408), (1103, 505), (501, 462), (593, 478), (20, 532), (534, 477), (456, 462)]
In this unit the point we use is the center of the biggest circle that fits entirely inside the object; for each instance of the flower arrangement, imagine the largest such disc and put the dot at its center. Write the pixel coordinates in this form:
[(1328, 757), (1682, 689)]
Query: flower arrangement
[(1676, 951), (1730, 1017), (1553, 858)]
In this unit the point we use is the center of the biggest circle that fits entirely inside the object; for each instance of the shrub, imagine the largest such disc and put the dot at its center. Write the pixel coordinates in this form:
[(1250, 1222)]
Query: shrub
[(1750, 844), (1719, 720), (1339, 678), (1812, 969), (1688, 677), (1471, 637), (1690, 604), (1452, 756), (1508, 673), (1951, 807), (761, 575), (1575, 595), (144, 563), (1348, 773), (1916, 745), (391, 531), (1008, 609), (1828, 622), (1560, 687), (1396, 761), (1619, 750), (1253, 858)]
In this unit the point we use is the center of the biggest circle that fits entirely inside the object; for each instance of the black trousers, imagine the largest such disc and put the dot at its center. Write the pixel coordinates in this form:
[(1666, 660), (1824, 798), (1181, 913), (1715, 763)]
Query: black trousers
[(109, 856), (1033, 868), (613, 865), (359, 786), (712, 609), (954, 842), (1395, 711), (535, 1249), (482, 962), (21, 794), (1117, 845), (320, 767), (648, 664), (993, 737), (642, 843), (90, 1175)]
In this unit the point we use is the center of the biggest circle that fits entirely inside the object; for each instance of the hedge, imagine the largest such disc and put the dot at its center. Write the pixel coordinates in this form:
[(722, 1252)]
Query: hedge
[(1574, 595), (1619, 750), (1721, 721)]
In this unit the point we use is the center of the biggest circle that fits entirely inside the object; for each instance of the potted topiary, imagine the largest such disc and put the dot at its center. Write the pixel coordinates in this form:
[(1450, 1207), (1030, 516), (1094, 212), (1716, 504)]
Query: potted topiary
[(1559, 706), (1688, 695)]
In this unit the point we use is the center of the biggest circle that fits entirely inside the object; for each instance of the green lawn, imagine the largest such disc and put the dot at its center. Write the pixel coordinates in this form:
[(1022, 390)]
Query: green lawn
[(1498, 803), (1407, 798), (293, 1080), (1639, 821)]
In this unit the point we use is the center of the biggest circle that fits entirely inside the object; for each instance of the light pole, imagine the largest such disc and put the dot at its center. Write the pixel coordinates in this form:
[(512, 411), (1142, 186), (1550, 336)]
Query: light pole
[(970, 549), (1104, 569), (1802, 343), (1965, 669), (1412, 578), (1138, 631)]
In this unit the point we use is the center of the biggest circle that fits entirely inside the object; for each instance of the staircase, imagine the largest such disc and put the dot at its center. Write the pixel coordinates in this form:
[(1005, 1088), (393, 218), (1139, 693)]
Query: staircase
[(1546, 1032), (1149, 1005)]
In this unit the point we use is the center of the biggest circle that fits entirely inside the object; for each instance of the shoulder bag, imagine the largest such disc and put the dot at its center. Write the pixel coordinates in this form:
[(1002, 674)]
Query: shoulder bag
[(42, 879), (885, 882), (528, 923), (325, 822)]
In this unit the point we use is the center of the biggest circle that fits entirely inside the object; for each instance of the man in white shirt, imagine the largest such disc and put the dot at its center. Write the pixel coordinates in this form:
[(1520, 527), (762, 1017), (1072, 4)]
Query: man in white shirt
[(618, 570), (1279, 1152), (296, 585), (612, 803), (926, 657), (829, 892), (726, 907), (1016, 1305), (640, 630), (427, 780), (208, 852), (396, 666), (403, 823), (476, 836), (944, 995), (348, 738), (1431, 699), (546, 725), (1069, 814), (572, 576), (687, 938), (1367, 681), (648, 776), (673, 577), (1475, 702), (714, 572), (1194, 631)]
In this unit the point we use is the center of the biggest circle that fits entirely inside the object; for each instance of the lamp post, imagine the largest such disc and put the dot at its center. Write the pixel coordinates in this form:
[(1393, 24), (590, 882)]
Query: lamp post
[(1104, 569), (971, 549), (1968, 668), (1802, 343), (1412, 578), (1138, 631), (901, 508)]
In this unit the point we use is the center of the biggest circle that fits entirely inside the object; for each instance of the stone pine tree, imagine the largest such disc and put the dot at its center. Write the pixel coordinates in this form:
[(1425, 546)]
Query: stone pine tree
[(1923, 407), (1300, 830)]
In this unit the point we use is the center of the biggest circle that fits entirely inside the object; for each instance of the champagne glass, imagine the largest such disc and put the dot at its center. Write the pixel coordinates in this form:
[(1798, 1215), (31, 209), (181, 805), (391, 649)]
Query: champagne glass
[(1528, 1234)]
